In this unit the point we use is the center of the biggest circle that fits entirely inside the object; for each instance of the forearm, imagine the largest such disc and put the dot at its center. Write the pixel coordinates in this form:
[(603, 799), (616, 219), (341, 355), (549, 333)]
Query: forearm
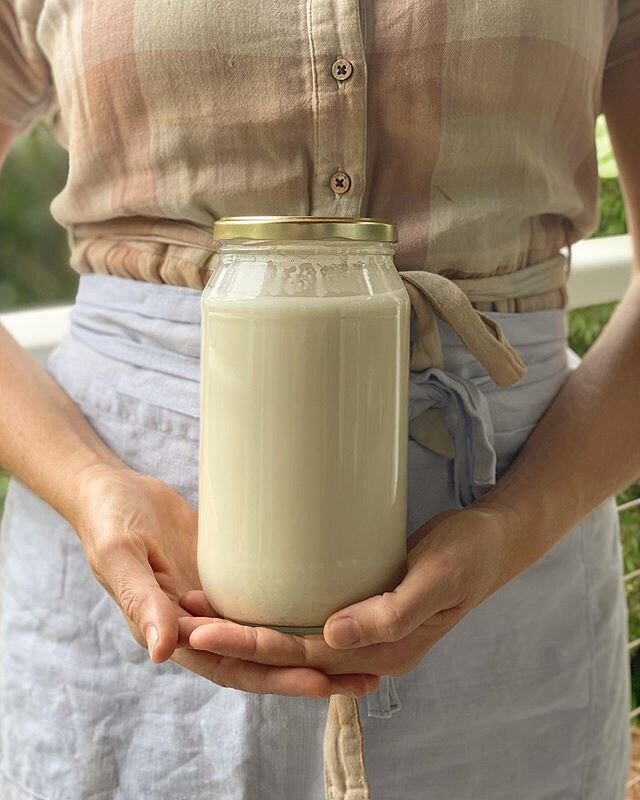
[(586, 446), (44, 438)]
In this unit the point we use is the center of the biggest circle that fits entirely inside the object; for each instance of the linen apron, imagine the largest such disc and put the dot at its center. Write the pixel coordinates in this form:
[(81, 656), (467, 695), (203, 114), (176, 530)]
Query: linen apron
[(526, 697)]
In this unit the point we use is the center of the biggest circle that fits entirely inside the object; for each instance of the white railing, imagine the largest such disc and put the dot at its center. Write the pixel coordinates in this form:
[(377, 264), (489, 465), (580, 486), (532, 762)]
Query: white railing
[(38, 329), (600, 271)]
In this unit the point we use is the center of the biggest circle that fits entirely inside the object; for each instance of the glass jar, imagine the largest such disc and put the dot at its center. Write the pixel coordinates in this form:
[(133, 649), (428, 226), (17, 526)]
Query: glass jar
[(303, 436)]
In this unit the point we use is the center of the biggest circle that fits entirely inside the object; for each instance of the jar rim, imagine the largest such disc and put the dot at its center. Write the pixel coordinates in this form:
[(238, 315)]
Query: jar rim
[(363, 229)]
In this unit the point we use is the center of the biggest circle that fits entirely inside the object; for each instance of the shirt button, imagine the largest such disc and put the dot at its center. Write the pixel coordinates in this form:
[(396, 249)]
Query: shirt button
[(340, 182), (341, 69)]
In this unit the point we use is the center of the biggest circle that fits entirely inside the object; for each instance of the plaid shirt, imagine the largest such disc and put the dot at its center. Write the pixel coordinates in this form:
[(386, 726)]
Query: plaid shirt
[(470, 124)]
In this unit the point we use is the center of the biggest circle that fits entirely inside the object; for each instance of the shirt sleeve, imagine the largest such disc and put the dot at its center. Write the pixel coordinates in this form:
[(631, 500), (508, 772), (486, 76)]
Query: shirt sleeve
[(626, 38), (27, 91)]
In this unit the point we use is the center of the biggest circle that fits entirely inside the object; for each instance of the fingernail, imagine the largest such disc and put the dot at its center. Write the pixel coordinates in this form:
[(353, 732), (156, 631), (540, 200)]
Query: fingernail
[(152, 639), (344, 631)]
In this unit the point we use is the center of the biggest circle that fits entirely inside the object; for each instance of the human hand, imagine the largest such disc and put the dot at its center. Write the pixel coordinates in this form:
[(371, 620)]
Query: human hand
[(455, 561), (139, 537)]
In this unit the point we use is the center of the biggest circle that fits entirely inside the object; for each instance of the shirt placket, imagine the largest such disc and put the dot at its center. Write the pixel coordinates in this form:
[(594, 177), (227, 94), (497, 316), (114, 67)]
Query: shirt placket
[(337, 45)]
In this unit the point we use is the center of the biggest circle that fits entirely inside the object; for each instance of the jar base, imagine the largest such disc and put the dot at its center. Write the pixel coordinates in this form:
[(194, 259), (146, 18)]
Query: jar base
[(300, 630)]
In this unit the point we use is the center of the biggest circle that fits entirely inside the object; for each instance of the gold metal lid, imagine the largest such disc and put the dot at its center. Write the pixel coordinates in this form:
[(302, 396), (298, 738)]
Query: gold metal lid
[(363, 229)]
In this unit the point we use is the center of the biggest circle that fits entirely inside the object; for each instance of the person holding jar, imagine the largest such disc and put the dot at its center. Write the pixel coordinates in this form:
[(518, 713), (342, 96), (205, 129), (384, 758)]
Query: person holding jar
[(498, 665)]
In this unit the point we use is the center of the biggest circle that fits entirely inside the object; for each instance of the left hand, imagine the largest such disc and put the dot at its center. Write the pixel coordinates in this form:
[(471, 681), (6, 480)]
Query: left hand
[(454, 561)]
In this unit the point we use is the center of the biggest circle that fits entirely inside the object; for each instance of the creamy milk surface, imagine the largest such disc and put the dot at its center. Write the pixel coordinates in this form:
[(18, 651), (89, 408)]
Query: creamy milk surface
[(302, 501)]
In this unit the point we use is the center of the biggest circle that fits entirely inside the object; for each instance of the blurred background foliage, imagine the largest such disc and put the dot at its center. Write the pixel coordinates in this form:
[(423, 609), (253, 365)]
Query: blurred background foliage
[(34, 270), (34, 253)]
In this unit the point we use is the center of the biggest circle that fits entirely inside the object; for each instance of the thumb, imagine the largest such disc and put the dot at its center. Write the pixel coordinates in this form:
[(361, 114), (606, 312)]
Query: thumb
[(145, 604), (391, 616)]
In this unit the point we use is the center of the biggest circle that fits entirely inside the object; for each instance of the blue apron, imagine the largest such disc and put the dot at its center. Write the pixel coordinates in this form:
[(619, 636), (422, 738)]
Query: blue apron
[(526, 697)]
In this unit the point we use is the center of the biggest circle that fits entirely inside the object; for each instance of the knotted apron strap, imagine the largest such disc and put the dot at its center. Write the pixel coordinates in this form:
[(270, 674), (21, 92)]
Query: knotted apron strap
[(430, 293), (345, 777), (545, 276)]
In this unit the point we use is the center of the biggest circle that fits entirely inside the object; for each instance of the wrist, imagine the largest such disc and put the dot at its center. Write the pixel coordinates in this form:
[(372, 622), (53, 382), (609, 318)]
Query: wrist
[(527, 523), (522, 540), (91, 482)]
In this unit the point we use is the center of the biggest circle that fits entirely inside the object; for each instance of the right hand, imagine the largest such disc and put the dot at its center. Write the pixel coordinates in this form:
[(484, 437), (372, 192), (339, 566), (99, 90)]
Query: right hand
[(140, 538)]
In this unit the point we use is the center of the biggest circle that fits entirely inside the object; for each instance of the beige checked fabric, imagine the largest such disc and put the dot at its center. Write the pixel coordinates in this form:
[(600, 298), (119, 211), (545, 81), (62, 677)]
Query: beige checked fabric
[(468, 124)]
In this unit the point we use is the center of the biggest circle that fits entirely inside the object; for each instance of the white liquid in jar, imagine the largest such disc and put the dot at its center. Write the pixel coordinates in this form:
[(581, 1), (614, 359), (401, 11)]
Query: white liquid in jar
[(302, 503)]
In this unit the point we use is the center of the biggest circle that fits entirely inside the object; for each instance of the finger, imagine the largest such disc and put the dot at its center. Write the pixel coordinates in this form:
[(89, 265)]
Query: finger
[(197, 604), (140, 597), (135, 632), (260, 679), (391, 616), (186, 626), (260, 644), (274, 648)]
